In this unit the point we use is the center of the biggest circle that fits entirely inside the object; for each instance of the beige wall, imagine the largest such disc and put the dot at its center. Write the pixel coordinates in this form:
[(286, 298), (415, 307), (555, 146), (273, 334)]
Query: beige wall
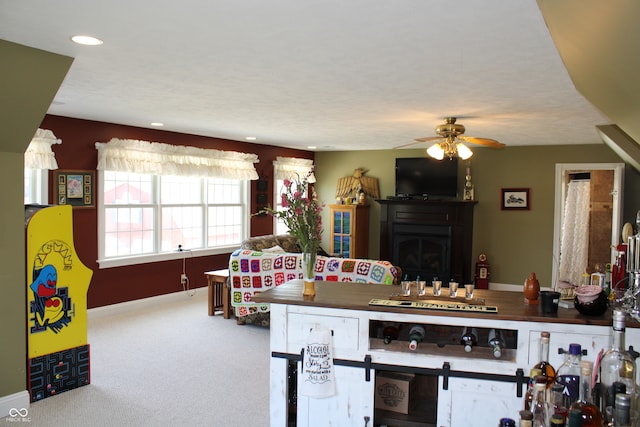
[(516, 242), (30, 79)]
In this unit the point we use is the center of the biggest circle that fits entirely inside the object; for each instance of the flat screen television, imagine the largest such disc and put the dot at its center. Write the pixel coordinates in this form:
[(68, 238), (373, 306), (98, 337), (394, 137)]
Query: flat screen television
[(424, 177)]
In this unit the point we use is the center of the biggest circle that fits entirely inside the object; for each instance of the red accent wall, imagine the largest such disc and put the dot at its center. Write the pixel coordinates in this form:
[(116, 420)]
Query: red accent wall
[(120, 284)]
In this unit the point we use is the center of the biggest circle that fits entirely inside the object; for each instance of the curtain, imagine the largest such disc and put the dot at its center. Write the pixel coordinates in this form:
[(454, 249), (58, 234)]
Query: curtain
[(574, 244), (39, 154), (293, 168), (127, 155)]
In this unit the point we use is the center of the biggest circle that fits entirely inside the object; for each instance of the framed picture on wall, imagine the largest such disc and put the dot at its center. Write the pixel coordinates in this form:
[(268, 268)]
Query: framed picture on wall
[(75, 188), (515, 199)]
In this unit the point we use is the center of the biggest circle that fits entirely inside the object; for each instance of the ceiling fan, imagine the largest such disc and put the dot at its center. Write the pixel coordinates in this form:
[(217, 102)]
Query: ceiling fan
[(449, 143)]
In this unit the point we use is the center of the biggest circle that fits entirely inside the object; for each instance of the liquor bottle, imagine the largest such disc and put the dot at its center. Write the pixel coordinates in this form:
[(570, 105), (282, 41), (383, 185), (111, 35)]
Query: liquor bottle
[(507, 422), (540, 404), (469, 338), (568, 374), (591, 415), (416, 335), (390, 333), (543, 357), (528, 396), (557, 400), (496, 343), (622, 410), (597, 277), (557, 420), (575, 418), (526, 418), (616, 365)]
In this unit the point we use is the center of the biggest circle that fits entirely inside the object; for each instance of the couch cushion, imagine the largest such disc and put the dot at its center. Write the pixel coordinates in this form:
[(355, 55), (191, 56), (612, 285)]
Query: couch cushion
[(258, 243)]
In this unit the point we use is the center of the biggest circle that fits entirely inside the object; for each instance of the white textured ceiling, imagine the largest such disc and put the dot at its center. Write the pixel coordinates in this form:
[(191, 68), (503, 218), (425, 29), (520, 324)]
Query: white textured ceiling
[(336, 74)]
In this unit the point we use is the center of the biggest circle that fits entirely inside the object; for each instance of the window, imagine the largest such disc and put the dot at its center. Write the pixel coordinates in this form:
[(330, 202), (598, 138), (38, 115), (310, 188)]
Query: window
[(159, 198), (36, 182), (148, 217), (289, 168), (38, 159)]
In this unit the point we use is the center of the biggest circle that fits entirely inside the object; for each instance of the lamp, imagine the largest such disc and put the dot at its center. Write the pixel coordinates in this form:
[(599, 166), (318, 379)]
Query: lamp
[(450, 148)]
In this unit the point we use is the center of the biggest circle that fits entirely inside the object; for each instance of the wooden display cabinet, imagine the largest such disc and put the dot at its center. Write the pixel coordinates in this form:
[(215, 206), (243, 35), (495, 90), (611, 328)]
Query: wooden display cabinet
[(350, 231)]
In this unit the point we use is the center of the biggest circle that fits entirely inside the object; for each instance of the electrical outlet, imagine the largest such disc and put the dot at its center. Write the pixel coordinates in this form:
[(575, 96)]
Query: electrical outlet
[(183, 279)]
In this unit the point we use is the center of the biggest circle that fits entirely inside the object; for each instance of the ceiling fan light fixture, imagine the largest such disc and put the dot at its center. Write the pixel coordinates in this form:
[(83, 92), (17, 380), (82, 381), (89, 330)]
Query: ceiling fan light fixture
[(463, 151), (436, 151)]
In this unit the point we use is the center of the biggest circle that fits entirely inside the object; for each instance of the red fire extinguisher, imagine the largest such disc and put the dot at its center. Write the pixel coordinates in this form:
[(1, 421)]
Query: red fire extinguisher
[(482, 272)]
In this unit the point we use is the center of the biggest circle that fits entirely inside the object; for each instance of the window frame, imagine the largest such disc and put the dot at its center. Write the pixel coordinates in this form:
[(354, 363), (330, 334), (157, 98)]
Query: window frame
[(120, 261)]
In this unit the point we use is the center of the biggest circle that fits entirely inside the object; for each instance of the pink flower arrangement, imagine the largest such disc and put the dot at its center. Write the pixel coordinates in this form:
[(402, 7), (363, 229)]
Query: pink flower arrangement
[(300, 213)]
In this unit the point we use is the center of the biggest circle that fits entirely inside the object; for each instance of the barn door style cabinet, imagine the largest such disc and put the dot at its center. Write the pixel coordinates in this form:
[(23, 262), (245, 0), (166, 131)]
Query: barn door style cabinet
[(451, 387), (350, 231)]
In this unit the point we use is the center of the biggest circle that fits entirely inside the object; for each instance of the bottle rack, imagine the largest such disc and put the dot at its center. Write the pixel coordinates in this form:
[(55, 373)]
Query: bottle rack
[(443, 340)]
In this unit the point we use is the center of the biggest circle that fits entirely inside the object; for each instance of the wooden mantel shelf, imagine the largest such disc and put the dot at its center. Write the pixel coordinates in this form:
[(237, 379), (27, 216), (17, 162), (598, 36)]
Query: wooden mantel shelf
[(356, 296)]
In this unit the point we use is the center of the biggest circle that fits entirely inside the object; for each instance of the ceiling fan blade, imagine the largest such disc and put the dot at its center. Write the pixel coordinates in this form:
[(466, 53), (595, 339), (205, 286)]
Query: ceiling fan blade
[(418, 141), (482, 141), (429, 138)]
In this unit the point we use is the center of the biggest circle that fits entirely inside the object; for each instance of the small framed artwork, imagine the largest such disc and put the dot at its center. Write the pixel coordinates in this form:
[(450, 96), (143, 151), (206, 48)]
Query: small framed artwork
[(515, 199), (75, 188)]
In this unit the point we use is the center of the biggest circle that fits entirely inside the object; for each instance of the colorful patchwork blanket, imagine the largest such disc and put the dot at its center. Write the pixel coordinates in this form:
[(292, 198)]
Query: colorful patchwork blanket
[(251, 272)]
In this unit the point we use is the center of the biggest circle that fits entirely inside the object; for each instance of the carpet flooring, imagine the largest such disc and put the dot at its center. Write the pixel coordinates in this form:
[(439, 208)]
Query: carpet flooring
[(165, 362)]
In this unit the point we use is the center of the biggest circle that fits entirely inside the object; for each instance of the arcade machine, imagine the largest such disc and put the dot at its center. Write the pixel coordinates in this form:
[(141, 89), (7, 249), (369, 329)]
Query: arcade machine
[(57, 284)]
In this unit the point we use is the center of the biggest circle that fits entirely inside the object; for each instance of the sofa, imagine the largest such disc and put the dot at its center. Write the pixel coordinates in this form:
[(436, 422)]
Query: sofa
[(267, 261)]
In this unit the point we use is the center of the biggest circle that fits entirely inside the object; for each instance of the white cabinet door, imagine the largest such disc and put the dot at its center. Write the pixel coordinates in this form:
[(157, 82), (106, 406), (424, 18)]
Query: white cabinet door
[(352, 404), (478, 403)]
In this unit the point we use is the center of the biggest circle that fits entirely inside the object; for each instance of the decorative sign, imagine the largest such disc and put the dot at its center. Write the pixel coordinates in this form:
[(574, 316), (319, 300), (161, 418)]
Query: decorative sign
[(451, 306), (317, 375)]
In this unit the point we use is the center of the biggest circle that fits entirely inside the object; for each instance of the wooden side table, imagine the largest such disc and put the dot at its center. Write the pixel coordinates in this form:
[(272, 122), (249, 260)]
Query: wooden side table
[(219, 295)]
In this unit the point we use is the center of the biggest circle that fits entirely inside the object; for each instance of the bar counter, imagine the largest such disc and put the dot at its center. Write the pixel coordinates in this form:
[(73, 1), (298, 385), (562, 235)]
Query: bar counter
[(356, 296)]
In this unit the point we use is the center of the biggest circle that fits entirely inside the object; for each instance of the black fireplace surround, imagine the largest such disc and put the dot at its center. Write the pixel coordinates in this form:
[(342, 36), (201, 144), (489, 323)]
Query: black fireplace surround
[(428, 238)]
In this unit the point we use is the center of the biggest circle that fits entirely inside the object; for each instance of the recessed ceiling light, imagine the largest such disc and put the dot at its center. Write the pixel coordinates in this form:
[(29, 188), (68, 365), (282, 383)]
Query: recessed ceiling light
[(312, 147), (251, 138), (86, 40), (157, 124)]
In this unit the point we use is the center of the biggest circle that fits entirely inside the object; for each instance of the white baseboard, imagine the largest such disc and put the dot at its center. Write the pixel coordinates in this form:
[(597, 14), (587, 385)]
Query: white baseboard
[(509, 287), (18, 401), (128, 306)]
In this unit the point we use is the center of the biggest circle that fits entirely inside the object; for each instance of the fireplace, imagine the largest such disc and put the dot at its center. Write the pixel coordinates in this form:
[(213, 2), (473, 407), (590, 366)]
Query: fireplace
[(428, 238), (423, 251)]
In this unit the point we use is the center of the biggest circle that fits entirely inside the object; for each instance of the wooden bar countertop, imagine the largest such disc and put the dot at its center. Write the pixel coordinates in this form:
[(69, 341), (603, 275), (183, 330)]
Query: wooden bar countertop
[(356, 296)]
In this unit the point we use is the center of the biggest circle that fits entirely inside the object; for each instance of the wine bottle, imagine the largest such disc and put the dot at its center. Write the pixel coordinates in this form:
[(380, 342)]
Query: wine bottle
[(591, 415), (543, 357), (568, 374), (416, 335), (616, 366), (496, 343), (390, 333), (469, 338)]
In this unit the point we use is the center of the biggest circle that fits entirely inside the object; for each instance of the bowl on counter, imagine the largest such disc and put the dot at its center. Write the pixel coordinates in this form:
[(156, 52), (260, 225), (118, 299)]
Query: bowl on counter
[(592, 301)]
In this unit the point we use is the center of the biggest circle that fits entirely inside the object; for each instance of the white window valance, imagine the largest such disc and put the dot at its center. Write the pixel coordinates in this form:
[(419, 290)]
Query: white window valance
[(293, 168), (39, 154), (128, 155)]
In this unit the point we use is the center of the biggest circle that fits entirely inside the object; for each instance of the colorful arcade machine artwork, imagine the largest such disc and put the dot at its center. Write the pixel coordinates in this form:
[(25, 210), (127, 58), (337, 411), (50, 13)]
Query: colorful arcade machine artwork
[(57, 284)]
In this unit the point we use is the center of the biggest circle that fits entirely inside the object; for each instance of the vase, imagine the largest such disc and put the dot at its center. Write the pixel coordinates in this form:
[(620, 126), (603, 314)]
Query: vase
[(308, 273), (531, 290)]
